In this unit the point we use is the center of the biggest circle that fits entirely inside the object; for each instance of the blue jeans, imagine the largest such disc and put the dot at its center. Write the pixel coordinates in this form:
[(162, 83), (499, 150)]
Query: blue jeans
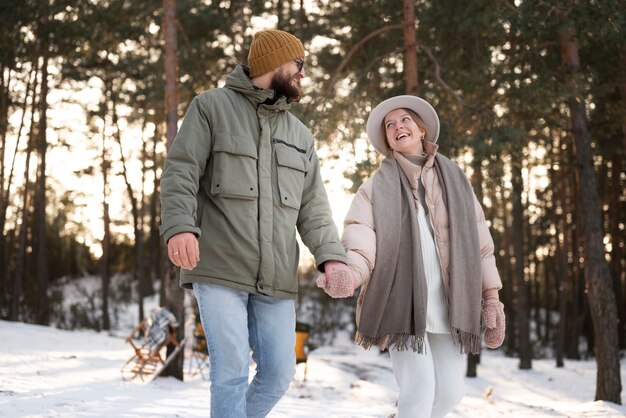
[(234, 323)]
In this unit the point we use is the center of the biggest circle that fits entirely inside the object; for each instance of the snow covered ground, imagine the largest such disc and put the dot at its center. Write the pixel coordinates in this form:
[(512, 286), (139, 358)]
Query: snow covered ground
[(47, 372)]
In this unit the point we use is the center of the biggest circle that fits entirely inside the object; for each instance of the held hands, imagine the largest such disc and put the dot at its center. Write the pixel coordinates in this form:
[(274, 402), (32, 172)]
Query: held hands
[(493, 316), (184, 251), (337, 281)]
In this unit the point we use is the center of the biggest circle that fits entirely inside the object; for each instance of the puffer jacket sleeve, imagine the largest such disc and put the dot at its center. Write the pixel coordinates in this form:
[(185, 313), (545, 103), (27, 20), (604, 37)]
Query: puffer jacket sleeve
[(359, 235), (490, 275), (184, 166), (315, 222)]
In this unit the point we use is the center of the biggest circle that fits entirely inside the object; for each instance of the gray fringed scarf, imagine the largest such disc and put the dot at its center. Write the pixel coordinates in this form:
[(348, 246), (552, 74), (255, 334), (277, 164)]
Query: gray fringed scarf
[(393, 314)]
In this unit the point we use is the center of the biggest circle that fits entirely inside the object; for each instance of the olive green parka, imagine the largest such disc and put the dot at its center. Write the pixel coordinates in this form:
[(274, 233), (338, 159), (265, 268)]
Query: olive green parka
[(242, 175)]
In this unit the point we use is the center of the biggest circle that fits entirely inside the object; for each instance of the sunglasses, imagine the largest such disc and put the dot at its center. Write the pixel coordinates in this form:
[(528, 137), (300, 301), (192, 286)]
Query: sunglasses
[(299, 64)]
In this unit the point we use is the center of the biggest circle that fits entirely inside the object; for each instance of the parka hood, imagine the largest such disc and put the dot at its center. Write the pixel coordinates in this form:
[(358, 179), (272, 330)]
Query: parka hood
[(239, 81)]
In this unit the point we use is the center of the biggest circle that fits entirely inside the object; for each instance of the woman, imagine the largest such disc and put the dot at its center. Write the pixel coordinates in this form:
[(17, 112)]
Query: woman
[(422, 253)]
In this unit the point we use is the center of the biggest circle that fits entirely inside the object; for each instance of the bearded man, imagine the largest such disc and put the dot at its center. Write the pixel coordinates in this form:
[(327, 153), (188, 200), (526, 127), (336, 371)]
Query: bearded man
[(240, 178)]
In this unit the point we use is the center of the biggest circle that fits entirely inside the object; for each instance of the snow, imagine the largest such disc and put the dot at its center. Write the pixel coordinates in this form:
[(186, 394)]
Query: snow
[(48, 372)]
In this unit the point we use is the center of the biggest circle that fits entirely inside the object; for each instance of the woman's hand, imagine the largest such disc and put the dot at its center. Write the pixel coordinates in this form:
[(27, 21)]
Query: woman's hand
[(337, 281), (493, 317)]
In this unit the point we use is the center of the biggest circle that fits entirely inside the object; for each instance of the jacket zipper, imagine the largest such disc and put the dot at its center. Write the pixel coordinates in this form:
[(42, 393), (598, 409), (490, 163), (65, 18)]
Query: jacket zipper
[(280, 141)]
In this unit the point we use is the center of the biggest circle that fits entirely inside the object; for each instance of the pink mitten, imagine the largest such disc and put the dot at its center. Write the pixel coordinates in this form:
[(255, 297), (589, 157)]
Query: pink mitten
[(493, 315), (340, 283)]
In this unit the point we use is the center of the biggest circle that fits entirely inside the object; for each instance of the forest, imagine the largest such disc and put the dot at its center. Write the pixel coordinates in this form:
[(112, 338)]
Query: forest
[(531, 95)]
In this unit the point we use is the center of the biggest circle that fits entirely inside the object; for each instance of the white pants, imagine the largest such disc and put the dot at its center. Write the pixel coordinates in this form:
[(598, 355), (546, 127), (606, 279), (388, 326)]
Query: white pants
[(431, 384)]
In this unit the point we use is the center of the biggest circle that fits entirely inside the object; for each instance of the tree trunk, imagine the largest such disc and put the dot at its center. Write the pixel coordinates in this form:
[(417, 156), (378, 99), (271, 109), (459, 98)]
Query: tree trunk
[(239, 15), (572, 339), (20, 256), (42, 307), (134, 210), (622, 90), (410, 47), (511, 340), (156, 270), (174, 295), (548, 274), (539, 280), (477, 182), (282, 19), (533, 289), (4, 117), (558, 179), (617, 243), (523, 328), (563, 296), (303, 20), (141, 265), (599, 285), (106, 239), (617, 218), (4, 197)]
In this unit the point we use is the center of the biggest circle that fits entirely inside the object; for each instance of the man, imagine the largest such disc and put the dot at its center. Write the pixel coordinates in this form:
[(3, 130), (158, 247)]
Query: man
[(239, 179)]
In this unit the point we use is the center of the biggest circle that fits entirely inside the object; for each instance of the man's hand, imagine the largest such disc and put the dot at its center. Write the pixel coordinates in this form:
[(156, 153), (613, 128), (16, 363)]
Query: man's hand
[(338, 280), (184, 251)]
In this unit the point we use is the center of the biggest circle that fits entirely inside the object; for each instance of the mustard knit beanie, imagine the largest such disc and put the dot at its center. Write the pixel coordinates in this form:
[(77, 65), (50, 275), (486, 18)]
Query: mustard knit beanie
[(272, 48)]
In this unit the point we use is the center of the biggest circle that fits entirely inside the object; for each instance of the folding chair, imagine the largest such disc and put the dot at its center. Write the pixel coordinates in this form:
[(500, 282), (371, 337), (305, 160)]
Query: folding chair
[(149, 341), (302, 350)]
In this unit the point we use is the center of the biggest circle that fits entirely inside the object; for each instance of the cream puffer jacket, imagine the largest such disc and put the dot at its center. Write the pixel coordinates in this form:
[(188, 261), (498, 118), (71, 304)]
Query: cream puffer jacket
[(359, 234)]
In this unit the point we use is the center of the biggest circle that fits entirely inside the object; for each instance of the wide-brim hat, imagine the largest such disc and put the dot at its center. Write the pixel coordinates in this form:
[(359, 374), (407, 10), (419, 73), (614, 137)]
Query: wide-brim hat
[(418, 105)]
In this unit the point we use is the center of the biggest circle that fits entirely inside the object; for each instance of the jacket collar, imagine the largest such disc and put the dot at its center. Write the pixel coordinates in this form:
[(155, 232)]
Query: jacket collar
[(239, 81), (412, 165)]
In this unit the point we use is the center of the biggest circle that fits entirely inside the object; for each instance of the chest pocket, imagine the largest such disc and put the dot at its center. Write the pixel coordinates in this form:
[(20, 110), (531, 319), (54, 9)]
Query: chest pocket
[(291, 169), (234, 172)]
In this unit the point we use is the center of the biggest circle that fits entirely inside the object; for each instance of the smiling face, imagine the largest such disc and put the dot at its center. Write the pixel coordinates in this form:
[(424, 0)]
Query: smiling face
[(404, 131)]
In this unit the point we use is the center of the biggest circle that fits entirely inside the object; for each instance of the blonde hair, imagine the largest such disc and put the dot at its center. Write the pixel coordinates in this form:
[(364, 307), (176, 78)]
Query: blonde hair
[(418, 121)]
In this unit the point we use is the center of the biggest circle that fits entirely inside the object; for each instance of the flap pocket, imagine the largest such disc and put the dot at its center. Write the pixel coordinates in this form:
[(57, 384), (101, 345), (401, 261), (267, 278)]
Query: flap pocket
[(288, 157), (234, 144), (234, 173), (291, 170)]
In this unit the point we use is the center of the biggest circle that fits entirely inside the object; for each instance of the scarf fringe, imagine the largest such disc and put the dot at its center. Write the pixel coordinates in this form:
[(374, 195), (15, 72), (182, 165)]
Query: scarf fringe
[(398, 342), (470, 343)]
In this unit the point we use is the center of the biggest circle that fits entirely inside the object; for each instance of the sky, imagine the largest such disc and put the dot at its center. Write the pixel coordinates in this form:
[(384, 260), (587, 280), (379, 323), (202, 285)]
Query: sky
[(48, 372)]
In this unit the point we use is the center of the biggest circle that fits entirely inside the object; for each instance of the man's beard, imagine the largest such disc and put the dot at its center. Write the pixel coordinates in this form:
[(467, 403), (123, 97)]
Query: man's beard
[(282, 86)]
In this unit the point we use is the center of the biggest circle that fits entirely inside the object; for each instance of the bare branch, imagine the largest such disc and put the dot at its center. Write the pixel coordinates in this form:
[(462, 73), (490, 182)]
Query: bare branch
[(508, 5), (355, 48), (438, 75), (472, 107)]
